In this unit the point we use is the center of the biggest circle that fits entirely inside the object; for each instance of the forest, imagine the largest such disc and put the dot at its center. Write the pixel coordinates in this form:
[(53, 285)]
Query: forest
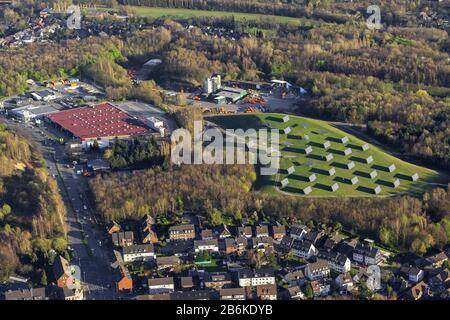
[(135, 154), (32, 213)]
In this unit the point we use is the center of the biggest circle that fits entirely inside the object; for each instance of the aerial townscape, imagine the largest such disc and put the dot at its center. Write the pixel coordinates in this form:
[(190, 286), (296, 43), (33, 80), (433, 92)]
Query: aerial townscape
[(118, 180)]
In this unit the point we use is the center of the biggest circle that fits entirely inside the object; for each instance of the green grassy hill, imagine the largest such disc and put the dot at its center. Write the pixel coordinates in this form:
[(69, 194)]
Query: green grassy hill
[(156, 12), (314, 133)]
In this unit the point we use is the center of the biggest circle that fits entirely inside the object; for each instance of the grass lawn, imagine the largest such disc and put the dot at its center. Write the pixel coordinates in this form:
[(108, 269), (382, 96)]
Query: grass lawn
[(293, 155), (156, 12)]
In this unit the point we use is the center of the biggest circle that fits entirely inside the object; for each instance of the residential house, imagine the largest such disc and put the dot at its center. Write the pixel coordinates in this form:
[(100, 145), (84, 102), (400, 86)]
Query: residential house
[(187, 283), (440, 280), (138, 252), (412, 274), (267, 292), (161, 285), (262, 231), (314, 237), (436, 260), (114, 228), (241, 244), (244, 232), (420, 291), (285, 245), (206, 234), (217, 280), (123, 239), (332, 242), (124, 282), (257, 277), (70, 294), (317, 270), (232, 294), (364, 253), (278, 232), (167, 262), (182, 232), (262, 244), (346, 247), (206, 245), (222, 231), (149, 234), (295, 278), (178, 248), (336, 261), (303, 249), (295, 293), (344, 282), (298, 231), (27, 294), (321, 287), (62, 272)]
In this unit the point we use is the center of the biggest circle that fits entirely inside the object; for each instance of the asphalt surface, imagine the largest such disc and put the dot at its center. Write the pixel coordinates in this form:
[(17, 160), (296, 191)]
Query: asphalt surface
[(85, 238)]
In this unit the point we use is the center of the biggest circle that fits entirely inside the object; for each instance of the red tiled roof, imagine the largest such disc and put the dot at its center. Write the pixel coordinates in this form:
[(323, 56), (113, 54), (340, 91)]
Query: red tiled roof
[(103, 120)]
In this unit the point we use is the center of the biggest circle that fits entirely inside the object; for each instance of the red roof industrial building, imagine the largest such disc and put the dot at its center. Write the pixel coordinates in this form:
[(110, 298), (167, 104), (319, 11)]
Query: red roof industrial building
[(103, 121)]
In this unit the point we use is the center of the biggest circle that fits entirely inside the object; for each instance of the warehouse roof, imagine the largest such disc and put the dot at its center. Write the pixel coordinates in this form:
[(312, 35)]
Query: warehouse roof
[(103, 120)]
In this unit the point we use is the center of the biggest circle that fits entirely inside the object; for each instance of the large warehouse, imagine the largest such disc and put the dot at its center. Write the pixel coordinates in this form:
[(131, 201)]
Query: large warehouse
[(103, 122)]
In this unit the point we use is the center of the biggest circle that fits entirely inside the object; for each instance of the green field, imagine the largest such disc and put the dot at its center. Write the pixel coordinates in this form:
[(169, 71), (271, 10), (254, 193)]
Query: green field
[(292, 148), (156, 12)]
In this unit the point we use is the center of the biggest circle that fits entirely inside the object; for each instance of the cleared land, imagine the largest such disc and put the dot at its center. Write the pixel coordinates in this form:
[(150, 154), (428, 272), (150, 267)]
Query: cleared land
[(156, 12), (317, 135)]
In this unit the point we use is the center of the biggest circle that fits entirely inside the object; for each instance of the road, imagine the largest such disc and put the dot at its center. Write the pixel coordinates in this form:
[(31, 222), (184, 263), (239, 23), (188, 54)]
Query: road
[(85, 238)]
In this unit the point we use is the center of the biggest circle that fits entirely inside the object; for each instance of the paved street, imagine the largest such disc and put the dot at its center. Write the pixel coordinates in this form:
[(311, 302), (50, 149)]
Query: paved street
[(85, 239)]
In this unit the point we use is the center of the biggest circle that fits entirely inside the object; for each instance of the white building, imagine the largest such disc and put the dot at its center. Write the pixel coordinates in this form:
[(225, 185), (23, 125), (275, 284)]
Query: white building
[(140, 252), (298, 231), (257, 277), (211, 245), (317, 270), (303, 249), (161, 285)]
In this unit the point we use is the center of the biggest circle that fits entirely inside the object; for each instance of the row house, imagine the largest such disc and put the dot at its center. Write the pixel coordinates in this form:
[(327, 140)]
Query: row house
[(295, 278), (365, 253), (238, 245), (139, 252), (317, 270), (278, 232), (161, 285), (295, 293), (344, 282), (149, 234), (321, 287), (232, 294), (262, 244), (256, 277), (245, 231), (222, 232), (182, 232), (267, 292), (217, 280), (303, 249), (336, 261), (123, 239), (169, 262), (262, 231), (206, 245), (206, 234), (298, 231)]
